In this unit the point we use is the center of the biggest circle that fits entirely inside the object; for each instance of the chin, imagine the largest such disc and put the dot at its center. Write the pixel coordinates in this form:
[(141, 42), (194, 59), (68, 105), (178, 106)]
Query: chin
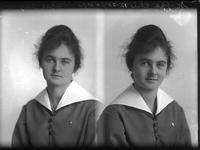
[(152, 87), (147, 86), (57, 83)]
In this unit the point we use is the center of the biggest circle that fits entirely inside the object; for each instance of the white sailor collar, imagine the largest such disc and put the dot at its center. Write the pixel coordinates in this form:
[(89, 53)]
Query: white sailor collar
[(131, 97), (74, 93)]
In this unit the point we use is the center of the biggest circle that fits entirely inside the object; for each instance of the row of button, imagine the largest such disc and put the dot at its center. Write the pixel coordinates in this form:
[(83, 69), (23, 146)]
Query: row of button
[(155, 128), (50, 127)]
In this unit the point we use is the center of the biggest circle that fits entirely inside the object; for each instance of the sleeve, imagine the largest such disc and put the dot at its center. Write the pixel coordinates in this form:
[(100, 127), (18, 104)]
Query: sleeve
[(184, 137), (90, 131), (90, 137), (20, 135), (110, 130)]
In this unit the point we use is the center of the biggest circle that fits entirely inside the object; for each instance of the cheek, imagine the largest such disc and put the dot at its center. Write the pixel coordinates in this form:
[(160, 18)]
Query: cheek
[(140, 72), (45, 73), (138, 75), (69, 69), (162, 74), (46, 69)]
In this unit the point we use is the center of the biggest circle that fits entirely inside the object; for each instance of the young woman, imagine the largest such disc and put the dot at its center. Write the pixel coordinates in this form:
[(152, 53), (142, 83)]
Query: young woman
[(143, 114), (63, 114)]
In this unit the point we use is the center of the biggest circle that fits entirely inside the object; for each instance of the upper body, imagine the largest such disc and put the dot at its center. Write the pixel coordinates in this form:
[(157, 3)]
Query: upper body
[(64, 113), (144, 115), (128, 121), (71, 124)]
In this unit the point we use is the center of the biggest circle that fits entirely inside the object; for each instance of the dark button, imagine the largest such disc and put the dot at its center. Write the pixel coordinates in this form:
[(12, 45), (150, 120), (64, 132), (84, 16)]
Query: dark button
[(156, 134), (154, 124), (50, 120), (51, 132), (49, 126), (53, 113), (156, 138), (155, 130)]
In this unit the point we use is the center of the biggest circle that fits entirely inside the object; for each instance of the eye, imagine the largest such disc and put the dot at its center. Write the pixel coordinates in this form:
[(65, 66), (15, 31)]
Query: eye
[(49, 60), (64, 62), (145, 63), (161, 64)]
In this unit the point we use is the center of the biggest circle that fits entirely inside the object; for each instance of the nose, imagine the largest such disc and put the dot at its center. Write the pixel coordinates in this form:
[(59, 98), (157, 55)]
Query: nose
[(57, 66), (153, 69)]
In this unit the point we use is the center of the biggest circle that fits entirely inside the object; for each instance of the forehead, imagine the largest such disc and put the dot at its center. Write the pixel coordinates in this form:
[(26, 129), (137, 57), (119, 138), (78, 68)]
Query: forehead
[(158, 54), (60, 52)]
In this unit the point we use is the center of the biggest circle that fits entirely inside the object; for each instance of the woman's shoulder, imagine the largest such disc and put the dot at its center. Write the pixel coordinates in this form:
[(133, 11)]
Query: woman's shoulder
[(175, 107), (87, 105), (30, 104), (114, 109), (175, 104), (29, 107), (90, 102)]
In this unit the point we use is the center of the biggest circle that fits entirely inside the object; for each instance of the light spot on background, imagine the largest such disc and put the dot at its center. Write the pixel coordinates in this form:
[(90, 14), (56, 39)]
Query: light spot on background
[(181, 18)]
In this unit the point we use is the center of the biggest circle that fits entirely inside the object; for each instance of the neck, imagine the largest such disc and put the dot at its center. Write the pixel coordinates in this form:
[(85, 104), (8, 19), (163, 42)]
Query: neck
[(55, 94), (149, 97)]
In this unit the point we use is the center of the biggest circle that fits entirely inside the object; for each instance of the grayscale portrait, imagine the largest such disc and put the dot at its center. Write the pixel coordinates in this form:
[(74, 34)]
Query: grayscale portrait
[(49, 96), (134, 116), (104, 38)]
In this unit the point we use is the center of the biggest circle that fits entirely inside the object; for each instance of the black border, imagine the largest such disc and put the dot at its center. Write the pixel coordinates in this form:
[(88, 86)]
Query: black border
[(198, 47), (45, 4)]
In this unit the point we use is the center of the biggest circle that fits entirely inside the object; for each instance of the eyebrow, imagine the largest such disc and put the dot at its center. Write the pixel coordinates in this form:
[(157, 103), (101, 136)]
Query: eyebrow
[(149, 60), (65, 58)]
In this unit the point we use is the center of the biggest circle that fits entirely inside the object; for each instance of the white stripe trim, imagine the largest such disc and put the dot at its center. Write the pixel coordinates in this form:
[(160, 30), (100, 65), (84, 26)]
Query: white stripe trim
[(74, 93), (131, 97)]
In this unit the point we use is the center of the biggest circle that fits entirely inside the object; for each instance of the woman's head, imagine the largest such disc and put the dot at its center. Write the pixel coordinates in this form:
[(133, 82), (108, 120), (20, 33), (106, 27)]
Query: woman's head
[(59, 55), (149, 57), (55, 37), (146, 40)]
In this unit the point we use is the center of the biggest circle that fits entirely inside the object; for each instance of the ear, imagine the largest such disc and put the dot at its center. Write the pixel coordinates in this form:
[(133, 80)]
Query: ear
[(73, 74), (41, 65), (132, 74)]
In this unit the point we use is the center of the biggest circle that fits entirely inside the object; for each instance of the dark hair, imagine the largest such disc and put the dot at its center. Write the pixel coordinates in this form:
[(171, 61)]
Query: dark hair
[(54, 37), (145, 40)]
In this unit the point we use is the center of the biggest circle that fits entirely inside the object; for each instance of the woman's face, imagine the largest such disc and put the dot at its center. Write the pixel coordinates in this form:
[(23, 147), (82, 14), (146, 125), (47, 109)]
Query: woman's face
[(149, 69), (58, 66)]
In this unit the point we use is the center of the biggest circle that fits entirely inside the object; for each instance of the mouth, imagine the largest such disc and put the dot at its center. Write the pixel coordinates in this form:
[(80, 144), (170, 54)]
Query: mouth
[(151, 79), (57, 76)]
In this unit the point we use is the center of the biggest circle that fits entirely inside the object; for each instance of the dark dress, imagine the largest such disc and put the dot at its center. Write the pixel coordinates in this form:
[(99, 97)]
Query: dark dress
[(127, 121), (72, 124)]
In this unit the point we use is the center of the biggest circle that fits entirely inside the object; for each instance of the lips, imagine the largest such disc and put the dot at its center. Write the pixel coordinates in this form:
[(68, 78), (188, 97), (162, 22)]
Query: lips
[(151, 79), (55, 75)]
